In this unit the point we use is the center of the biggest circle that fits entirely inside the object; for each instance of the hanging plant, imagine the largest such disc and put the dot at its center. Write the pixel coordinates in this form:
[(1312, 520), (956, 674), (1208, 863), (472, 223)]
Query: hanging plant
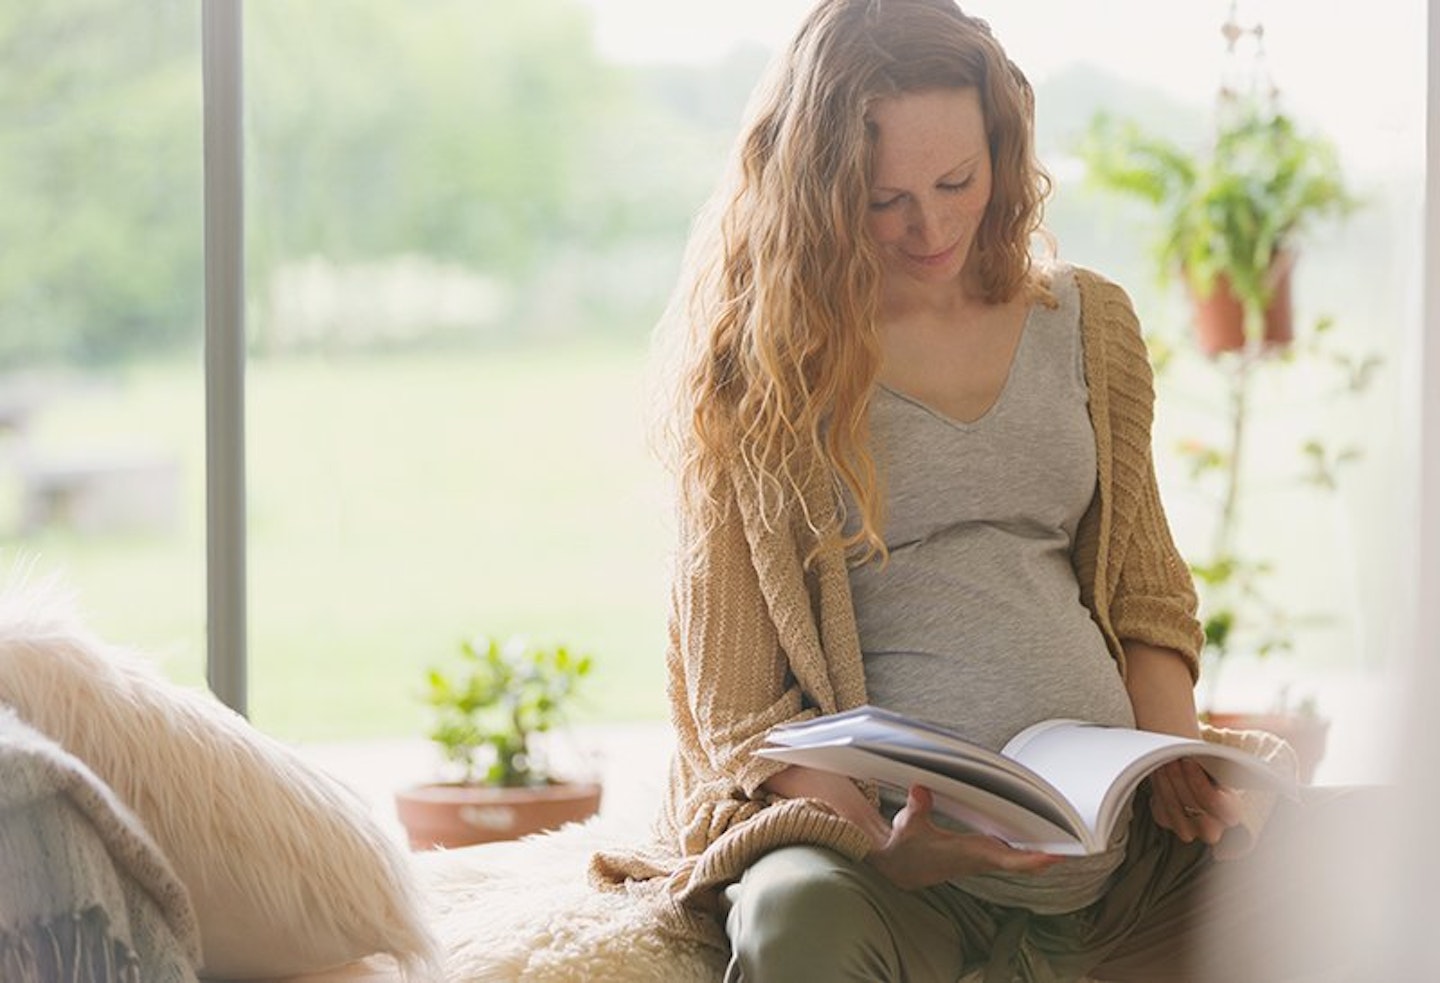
[(1229, 215)]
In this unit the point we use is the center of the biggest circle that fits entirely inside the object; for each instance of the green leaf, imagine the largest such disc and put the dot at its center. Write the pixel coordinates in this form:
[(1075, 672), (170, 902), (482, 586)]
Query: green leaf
[(494, 697)]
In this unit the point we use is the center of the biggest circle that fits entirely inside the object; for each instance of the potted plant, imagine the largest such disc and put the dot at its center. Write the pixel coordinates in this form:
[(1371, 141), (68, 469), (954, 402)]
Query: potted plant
[(1230, 214), (487, 711), (1229, 219)]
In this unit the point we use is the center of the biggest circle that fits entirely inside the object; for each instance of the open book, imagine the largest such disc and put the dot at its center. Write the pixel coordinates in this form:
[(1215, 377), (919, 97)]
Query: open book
[(1059, 785)]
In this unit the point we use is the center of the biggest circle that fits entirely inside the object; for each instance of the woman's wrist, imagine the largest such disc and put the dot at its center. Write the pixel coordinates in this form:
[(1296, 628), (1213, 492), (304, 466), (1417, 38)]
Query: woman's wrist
[(836, 791), (1161, 690)]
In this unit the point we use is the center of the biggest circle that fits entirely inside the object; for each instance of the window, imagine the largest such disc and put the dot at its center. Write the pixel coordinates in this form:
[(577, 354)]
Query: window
[(101, 294), (462, 224), (462, 220)]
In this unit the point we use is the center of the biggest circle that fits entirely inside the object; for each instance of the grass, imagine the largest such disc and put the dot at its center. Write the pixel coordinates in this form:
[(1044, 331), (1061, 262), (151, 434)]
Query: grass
[(399, 503), (396, 504)]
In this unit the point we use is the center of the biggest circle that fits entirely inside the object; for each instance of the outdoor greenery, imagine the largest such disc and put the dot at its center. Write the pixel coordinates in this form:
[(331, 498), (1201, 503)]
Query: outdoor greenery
[(100, 175), (461, 226), (393, 501), (488, 138)]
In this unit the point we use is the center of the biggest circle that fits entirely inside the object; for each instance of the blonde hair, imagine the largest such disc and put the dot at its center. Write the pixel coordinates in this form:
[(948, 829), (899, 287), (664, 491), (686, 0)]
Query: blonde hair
[(777, 307)]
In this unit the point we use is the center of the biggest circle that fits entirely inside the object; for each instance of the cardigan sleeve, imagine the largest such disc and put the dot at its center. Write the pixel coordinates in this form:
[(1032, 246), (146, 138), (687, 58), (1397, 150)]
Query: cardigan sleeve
[(1153, 599), (730, 681)]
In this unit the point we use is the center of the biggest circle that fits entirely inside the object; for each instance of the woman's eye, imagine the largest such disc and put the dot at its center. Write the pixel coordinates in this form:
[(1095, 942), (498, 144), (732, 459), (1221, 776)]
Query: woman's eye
[(955, 185), (880, 206)]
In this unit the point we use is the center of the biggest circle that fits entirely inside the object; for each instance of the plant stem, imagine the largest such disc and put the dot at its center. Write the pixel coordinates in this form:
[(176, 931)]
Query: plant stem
[(1238, 396), (513, 773), (1222, 548)]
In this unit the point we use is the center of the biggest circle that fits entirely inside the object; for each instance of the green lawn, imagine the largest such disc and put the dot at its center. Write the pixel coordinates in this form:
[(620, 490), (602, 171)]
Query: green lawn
[(395, 504), (398, 503)]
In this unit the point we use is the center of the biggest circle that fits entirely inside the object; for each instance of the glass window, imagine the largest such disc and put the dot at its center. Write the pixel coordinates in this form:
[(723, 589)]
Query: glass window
[(101, 292), (463, 222)]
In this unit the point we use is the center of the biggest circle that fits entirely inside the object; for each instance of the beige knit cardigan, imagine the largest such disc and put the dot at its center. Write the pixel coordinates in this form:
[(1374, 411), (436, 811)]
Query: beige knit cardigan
[(758, 638)]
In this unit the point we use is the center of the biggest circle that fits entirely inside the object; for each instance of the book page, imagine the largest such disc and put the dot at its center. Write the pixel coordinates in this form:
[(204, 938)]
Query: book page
[(1032, 793), (871, 723), (1098, 768), (875, 726), (977, 808)]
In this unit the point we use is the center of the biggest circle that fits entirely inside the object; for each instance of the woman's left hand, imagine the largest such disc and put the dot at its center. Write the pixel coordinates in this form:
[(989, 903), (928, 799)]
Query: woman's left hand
[(1187, 801), (1183, 796)]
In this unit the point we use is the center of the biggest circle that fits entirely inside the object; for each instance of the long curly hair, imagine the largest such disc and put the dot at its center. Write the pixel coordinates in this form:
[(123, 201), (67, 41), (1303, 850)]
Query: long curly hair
[(776, 310)]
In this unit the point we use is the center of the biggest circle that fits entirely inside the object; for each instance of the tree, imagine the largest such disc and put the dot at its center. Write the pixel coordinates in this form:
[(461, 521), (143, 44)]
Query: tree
[(100, 175)]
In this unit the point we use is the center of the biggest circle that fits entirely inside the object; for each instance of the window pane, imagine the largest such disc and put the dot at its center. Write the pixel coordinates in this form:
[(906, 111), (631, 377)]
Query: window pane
[(101, 286), (463, 224)]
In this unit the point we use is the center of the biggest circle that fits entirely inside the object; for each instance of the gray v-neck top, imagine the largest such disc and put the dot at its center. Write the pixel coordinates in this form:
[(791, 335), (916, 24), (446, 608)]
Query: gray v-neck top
[(975, 622)]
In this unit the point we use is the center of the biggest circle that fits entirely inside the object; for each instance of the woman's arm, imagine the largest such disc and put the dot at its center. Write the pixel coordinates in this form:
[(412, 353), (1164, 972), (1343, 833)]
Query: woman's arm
[(729, 681), (836, 791), (1161, 689), (1183, 796)]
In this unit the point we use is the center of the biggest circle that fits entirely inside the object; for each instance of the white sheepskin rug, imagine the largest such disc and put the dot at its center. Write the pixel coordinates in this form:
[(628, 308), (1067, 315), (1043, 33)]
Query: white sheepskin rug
[(523, 912)]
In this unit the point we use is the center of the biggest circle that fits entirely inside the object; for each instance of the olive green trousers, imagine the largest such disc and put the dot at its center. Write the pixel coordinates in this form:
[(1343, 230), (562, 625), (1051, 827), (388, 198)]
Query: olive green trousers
[(1172, 914)]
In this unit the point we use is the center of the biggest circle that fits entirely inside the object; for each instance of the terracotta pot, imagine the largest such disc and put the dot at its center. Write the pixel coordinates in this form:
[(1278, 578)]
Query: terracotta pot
[(1219, 318), (1307, 734), (451, 814)]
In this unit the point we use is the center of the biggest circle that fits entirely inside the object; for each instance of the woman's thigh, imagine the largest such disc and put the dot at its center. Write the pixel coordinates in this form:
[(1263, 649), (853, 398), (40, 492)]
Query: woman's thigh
[(807, 913)]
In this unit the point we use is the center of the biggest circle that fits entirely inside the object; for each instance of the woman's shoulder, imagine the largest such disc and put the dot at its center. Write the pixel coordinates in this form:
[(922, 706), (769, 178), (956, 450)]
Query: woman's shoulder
[(1106, 309), (1103, 303), (1052, 274), (1113, 342)]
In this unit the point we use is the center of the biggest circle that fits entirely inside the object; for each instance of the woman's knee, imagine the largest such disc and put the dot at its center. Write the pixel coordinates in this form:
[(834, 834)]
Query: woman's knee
[(808, 911)]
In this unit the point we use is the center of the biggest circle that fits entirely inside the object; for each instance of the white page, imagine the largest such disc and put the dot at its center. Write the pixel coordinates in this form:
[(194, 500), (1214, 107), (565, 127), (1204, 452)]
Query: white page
[(1044, 800), (982, 810), (1096, 767), (876, 726)]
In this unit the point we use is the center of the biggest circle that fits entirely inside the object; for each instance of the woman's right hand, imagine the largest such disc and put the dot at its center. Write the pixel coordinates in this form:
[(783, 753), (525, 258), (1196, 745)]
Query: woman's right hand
[(919, 854)]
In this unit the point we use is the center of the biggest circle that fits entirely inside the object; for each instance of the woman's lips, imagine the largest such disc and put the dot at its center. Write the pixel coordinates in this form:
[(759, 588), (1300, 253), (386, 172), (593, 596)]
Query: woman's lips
[(934, 259)]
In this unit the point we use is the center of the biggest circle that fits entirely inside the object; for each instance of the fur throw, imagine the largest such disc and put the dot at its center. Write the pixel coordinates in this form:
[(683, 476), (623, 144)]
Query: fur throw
[(524, 912)]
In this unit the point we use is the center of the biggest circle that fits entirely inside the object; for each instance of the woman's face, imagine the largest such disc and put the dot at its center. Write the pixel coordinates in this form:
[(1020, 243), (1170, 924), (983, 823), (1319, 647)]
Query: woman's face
[(930, 182)]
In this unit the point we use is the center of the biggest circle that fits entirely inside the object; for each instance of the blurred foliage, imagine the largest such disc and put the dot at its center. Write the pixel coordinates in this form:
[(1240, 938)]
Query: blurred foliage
[(100, 176), (488, 138), (491, 704)]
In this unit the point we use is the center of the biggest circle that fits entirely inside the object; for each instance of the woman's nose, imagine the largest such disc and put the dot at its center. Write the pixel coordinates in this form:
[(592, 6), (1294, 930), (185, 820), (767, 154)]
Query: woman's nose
[(925, 227)]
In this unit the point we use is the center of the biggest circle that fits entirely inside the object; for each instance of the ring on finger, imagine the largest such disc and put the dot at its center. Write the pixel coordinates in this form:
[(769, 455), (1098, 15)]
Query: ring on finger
[(1191, 812)]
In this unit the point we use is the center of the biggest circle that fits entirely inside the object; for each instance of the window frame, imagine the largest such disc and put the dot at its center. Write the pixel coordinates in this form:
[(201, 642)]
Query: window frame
[(224, 207)]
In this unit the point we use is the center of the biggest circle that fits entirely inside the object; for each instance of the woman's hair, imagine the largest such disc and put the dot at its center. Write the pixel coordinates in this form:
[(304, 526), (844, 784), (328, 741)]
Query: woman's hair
[(777, 308)]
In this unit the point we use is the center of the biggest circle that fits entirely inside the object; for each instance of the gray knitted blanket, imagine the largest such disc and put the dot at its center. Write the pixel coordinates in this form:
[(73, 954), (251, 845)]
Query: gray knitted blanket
[(85, 894)]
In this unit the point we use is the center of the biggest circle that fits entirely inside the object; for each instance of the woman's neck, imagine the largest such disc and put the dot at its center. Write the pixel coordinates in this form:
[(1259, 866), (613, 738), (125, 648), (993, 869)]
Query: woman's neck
[(903, 300)]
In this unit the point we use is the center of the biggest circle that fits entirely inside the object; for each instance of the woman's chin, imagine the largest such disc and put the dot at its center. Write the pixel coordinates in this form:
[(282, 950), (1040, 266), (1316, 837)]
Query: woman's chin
[(932, 274)]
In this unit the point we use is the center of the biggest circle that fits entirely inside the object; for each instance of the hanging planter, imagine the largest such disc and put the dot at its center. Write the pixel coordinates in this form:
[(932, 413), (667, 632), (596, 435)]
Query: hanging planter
[(1228, 214), (1219, 316)]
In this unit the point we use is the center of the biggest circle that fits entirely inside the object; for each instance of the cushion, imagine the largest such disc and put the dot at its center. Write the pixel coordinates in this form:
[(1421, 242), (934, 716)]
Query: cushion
[(287, 871)]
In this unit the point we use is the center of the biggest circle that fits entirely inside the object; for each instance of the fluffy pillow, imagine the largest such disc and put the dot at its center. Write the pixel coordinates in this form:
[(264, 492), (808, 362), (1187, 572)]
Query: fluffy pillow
[(287, 870)]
